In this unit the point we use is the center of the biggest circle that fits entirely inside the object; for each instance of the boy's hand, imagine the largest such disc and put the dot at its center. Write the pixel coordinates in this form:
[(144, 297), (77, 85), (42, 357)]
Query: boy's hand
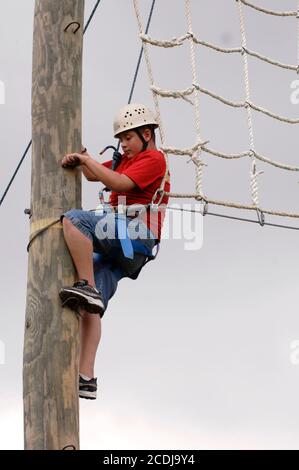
[(71, 160)]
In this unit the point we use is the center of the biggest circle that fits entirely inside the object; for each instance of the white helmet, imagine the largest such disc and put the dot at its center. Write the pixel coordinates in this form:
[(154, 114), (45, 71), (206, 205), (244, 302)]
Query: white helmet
[(132, 116)]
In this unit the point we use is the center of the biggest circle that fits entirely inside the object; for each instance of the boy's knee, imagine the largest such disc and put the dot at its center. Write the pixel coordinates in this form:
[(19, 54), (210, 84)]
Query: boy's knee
[(66, 221)]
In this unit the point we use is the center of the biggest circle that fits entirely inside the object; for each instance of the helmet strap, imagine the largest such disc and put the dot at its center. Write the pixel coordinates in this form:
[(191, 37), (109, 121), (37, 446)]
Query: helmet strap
[(144, 142)]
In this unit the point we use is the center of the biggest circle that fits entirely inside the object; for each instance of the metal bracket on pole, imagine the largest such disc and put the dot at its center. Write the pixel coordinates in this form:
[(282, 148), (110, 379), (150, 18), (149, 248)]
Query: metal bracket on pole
[(73, 22)]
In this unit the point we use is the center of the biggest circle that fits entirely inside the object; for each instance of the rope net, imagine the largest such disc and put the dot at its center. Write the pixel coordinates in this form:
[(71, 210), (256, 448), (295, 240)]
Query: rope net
[(192, 96)]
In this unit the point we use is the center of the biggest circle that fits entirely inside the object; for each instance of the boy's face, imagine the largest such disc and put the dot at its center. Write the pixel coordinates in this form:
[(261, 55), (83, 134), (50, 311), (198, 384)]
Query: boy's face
[(131, 143)]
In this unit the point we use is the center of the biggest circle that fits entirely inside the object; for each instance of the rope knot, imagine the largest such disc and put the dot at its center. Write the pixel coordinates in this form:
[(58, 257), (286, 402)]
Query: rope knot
[(199, 163), (190, 35)]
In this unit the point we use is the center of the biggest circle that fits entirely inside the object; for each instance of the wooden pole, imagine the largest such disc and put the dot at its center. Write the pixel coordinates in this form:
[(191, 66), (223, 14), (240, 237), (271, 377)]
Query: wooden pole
[(50, 373)]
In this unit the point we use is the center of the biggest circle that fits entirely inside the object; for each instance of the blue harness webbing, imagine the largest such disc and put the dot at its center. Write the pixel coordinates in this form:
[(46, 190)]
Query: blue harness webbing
[(130, 246), (123, 236)]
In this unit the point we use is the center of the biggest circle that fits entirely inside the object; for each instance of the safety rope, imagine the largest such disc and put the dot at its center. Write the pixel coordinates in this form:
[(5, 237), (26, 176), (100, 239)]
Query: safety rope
[(91, 15), (160, 190), (15, 172), (30, 142), (141, 53)]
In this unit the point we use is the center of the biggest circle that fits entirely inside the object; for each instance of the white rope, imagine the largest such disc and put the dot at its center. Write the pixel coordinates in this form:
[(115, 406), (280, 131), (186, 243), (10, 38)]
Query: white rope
[(196, 156), (297, 16), (245, 154), (155, 97), (235, 205), (269, 60), (174, 93), (179, 41), (275, 116), (253, 174), (228, 156), (165, 43), (188, 151), (188, 91), (248, 51), (269, 12), (194, 152)]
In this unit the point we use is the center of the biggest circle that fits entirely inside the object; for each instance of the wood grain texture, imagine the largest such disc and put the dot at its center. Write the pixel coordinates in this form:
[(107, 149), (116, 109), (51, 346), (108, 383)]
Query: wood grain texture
[(51, 343)]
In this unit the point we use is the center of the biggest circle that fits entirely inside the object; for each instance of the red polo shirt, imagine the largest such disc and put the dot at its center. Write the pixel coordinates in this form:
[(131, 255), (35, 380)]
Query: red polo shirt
[(147, 170)]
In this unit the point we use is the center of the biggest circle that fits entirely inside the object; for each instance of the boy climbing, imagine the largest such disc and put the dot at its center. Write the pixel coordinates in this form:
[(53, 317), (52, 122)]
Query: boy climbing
[(116, 240)]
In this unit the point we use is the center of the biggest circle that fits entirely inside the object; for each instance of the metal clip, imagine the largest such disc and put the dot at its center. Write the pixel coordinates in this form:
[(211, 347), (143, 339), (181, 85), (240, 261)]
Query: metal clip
[(158, 191), (205, 207), (154, 207), (116, 156), (106, 148), (261, 217)]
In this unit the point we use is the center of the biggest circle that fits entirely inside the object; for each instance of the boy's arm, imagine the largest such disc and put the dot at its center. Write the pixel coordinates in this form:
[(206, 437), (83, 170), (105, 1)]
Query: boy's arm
[(113, 180), (69, 161), (89, 175), (98, 172)]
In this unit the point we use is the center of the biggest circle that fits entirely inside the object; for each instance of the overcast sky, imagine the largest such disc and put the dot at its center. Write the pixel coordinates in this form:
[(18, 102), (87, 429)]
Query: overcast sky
[(200, 351)]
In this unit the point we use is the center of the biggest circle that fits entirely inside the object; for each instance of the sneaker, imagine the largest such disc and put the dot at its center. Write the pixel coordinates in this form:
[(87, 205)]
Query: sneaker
[(89, 297), (73, 303), (88, 388)]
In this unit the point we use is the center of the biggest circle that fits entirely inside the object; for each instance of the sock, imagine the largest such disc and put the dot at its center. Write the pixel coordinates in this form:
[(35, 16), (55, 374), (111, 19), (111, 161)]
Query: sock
[(85, 376)]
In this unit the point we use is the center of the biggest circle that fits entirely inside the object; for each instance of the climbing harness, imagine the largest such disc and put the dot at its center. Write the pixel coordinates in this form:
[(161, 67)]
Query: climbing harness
[(129, 246), (130, 115)]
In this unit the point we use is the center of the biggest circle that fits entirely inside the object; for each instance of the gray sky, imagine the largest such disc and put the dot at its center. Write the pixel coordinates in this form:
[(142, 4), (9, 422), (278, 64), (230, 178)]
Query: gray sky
[(197, 352)]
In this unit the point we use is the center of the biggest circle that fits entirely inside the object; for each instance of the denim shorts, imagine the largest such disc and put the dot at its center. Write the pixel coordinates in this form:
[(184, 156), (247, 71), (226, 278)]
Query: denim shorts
[(109, 263)]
